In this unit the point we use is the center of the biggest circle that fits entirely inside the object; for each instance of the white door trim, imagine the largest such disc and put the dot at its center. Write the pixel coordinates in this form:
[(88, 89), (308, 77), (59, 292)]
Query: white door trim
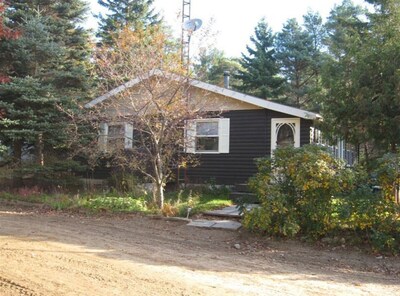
[(276, 124)]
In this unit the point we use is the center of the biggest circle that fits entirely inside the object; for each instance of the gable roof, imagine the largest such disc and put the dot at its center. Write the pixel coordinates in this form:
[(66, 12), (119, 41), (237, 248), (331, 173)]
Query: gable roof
[(211, 88)]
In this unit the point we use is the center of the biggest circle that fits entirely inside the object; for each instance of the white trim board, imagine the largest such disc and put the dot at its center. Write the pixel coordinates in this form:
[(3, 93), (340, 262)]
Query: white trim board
[(265, 104)]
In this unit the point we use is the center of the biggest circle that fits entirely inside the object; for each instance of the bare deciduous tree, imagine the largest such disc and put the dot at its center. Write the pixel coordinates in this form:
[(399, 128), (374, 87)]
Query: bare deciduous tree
[(141, 119)]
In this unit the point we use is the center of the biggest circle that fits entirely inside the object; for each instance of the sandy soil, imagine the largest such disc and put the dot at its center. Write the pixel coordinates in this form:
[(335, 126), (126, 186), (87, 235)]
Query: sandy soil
[(50, 253)]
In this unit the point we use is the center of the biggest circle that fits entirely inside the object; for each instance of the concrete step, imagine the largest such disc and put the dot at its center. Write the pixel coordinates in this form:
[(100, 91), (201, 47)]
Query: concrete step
[(230, 212), (219, 224), (242, 188), (243, 197)]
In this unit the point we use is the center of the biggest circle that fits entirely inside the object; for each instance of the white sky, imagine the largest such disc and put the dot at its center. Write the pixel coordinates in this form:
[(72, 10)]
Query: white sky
[(234, 20)]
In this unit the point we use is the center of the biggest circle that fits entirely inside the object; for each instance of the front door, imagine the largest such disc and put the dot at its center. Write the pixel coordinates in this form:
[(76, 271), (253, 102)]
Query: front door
[(285, 132)]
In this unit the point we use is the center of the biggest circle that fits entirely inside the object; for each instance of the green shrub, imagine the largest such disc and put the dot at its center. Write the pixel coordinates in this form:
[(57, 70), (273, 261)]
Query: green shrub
[(306, 191), (296, 189), (372, 217), (388, 175)]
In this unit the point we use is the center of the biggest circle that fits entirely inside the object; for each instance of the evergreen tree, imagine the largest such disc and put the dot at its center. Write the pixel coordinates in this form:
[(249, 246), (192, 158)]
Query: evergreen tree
[(211, 65), (295, 51), (316, 30), (381, 77), (135, 14), (363, 103), (48, 67), (259, 76), (342, 106)]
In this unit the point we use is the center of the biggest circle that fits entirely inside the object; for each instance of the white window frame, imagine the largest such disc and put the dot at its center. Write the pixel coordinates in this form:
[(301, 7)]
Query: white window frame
[(104, 135), (223, 135), (277, 123)]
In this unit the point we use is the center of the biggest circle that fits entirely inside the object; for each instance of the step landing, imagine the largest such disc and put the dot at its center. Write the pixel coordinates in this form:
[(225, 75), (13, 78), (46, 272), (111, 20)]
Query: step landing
[(217, 224), (227, 212), (230, 212)]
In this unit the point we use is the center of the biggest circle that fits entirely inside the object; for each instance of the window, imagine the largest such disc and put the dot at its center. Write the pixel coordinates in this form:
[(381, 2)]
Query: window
[(285, 136), (207, 136), (115, 136)]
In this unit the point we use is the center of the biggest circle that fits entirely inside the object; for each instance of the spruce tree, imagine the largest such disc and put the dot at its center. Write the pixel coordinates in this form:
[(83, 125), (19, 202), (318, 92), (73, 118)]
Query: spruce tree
[(259, 76), (135, 14), (48, 66)]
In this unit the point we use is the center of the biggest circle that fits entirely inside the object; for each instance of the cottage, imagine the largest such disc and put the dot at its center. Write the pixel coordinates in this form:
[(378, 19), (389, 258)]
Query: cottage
[(245, 128)]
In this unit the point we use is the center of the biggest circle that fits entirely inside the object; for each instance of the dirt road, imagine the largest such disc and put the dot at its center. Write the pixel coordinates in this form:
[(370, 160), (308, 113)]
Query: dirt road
[(48, 253)]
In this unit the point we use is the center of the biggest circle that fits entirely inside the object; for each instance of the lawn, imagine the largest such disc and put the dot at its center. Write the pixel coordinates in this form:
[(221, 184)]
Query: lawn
[(177, 203)]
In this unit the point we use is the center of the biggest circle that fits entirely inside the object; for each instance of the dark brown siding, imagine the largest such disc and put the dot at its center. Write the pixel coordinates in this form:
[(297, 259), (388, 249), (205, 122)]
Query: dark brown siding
[(305, 126), (250, 138)]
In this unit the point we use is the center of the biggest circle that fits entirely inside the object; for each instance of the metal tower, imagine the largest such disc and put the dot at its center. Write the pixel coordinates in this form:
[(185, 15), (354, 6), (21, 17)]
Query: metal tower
[(185, 53)]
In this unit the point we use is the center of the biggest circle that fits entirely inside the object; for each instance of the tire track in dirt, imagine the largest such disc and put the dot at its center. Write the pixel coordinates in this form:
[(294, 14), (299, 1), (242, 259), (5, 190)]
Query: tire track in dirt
[(69, 254), (14, 288)]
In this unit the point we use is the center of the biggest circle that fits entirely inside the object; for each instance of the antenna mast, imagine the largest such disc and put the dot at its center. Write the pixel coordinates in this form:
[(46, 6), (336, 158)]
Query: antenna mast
[(188, 27), (186, 9)]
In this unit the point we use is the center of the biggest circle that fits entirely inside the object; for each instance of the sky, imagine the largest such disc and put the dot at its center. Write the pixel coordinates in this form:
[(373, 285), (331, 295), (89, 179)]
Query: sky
[(232, 22)]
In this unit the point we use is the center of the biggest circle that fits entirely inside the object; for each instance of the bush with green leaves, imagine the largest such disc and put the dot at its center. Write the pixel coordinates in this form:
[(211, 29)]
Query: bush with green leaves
[(372, 218), (296, 188), (306, 191), (388, 175)]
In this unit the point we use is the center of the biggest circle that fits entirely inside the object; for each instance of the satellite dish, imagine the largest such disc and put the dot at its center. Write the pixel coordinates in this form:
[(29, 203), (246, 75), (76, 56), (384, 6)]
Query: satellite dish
[(192, 25)]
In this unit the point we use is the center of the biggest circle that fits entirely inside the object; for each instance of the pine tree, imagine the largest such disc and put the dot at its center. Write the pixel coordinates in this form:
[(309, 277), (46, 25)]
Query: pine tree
[(295, 50), (316, 30), (260, 75), (135, 14), (342, 107), (48, 67)]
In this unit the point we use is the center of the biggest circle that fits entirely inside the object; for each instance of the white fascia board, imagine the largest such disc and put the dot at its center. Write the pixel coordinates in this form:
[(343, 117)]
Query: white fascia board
[(256, 101), (113, 92), (212, 88)]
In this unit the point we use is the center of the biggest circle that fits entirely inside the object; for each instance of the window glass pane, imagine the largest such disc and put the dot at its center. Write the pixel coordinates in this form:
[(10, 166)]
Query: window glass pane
[(116, 130), (285, 136), (207, 144), (116, 137), (207, 128)]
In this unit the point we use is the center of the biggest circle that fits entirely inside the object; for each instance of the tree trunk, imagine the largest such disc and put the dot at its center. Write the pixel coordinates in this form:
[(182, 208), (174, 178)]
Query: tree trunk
[(17, 152), (366, 154), (160, 181), (39, 150), (393, 147), (159, 194), (17, 156)]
